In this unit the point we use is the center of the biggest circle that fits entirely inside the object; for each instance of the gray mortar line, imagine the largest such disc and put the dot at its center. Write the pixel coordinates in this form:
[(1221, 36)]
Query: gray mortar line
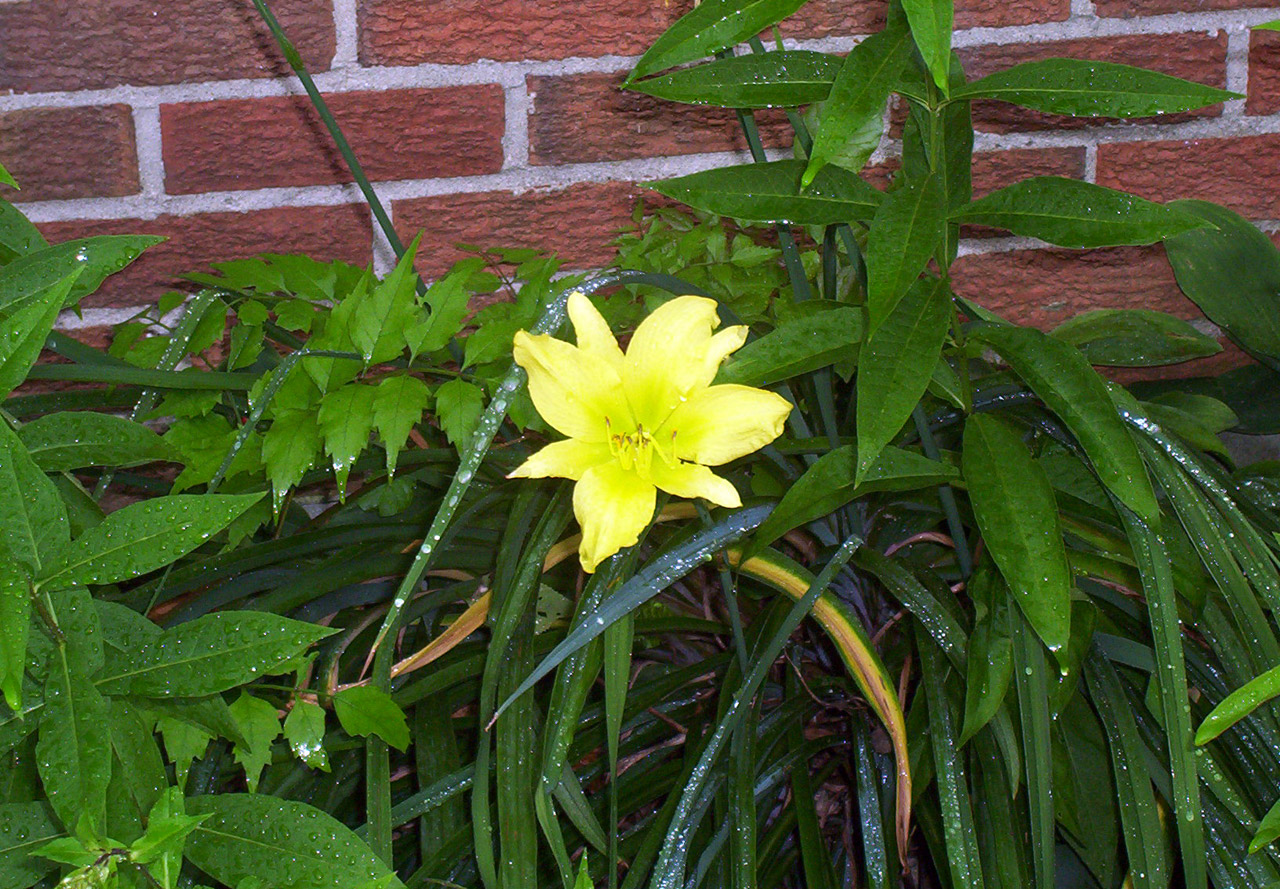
[(146, 128), (1237, 71), (517, 106), (346, 42)]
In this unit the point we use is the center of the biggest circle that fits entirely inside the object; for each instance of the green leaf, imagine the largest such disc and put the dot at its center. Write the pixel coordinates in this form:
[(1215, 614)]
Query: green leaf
[(449, 301), (73, 753), (1239, 704), (15, 624), (6, 178), (288, 450), (1071, 213), (18, 236), (904, 232), (183, 743), (345, 420), (23, 333), (33, 519), (364, 710), (1016, 512), (138, 778), (931, 27), (168, 827), (829, 484), (378, 325), (1064, 381), (397, 408), (75, 439), (211, 654), (458, 407), (142, 537), (23, 828), (814, 340), (770, 192), (299, 846), (851, 118), (787, 78), (260, 725), (1134, 338), (1092, 89), (304, 730), (93, 258), (990, 652), (1232, 272), (710, 27), (896, 364)]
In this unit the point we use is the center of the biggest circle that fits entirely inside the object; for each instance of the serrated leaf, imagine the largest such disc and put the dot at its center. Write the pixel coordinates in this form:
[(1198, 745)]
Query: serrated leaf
[(15, 625), (1071, 213), (1063, 379), (345, 420), (853, 111), (75, 439), (73, 753), (1134, 338), (931, 22), (787, 78), (906, 228), (23, 828), (1016, 512), (397, 408), (93, 258), (183, 743), (22, 334), (33, 518), (295, 314), (260, 725), (378, 325), (458, 407), (770, 192), (211, 654), (142, 537), (304, 730), (797, 346), (1083, 88), (298, 845), (289, 448), (364, 710), (896, 364), (449, 301), (708, 28)]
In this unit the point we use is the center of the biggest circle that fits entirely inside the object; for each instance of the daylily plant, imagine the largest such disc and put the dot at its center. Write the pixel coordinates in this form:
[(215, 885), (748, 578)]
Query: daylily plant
[(643, 420)]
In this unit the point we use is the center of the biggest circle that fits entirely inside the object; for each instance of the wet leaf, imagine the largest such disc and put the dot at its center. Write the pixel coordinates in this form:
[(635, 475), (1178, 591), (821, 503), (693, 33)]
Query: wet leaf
[(75, 439), (364, 710), (708, 28), (787, 78)]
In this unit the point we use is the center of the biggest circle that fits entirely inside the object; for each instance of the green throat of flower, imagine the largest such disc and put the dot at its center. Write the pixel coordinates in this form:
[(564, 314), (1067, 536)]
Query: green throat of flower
[(634, 450)]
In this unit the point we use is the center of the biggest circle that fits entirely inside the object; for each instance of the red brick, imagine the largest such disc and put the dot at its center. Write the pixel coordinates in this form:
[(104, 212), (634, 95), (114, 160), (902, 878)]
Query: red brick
[(576, 223), (1264, 73), (1133, 8), (58, 153), (1242, 173), (89, 44), (1196, 56), (399, 134), (325, 233), (411, 32), (585, 117)]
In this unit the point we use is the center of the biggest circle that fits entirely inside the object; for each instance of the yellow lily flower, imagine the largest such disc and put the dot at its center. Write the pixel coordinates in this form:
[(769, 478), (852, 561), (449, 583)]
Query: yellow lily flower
[(642, 420)]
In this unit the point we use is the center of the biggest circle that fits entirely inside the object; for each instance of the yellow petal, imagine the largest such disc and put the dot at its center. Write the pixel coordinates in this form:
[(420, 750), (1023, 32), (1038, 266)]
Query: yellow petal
[(593, 333), (563, 459), (691, 481), (666, 357), (573, 390), (613, 506), (723, 423)]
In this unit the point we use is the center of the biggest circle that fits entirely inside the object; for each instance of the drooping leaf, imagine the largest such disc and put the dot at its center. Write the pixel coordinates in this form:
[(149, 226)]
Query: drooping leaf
[(33, 519), (458, 407), (22, 334), (260, 725), (770, 192), (288, 450), (787, 78), (364, 710), (896, 364), (1063, 379), (710, 27), (18, 236), (304, 730), (75, 439), (397, 407), (211, 654), (1016, 512), (142, 537), (904, 232), (299, 846), (797, 346), (855, 106), (93, 258), (345, 420), (1083, 88), (1134, 338), (449, 301), (1071, 213), (15, 625), (25, 827), (990, 653)]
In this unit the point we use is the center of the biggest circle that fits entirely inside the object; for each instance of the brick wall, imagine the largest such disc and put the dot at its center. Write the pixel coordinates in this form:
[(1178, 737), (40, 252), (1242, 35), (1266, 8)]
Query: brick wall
[(498, 121)]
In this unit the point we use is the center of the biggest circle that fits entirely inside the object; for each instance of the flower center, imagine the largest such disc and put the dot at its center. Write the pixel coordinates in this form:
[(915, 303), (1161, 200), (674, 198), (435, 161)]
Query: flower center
[(635, 450)]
